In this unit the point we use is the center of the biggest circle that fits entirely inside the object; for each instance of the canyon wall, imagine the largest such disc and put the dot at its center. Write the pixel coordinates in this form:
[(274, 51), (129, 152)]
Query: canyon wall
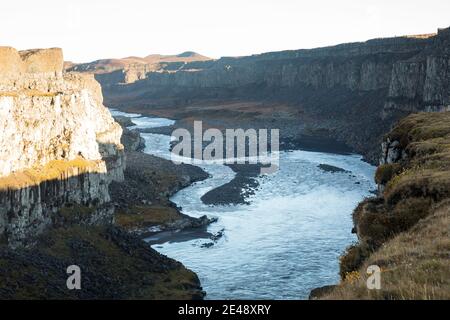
[(59, 147), (412, 69), (353, 92)]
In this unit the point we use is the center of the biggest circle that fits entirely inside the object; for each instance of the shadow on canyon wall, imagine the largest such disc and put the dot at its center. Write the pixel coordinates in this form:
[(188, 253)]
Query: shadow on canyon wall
[(51, 223)]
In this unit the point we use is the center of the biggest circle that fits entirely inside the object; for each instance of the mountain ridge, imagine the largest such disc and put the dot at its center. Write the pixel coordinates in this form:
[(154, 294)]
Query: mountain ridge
[(113, 64)]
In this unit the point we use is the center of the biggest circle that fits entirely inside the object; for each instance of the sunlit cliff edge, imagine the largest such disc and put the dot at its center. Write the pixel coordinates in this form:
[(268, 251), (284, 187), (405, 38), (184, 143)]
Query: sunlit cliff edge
[(58, 145), (60, 151)]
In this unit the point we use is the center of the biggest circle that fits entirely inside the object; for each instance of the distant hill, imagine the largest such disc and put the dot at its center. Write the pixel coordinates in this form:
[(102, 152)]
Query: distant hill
[(111, 65)]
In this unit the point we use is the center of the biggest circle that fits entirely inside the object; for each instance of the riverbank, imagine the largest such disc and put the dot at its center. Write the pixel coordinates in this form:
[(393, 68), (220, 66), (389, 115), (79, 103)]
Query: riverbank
[(420, 226), (142, 200), (245, 183), (290, 139), (404, 231), (230, 193), (115, 262)]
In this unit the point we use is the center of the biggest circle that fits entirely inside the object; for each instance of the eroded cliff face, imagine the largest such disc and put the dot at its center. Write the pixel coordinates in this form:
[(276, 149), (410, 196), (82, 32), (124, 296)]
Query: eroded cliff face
[(414, 68), (353, 92), (422, 83), (59, 146)]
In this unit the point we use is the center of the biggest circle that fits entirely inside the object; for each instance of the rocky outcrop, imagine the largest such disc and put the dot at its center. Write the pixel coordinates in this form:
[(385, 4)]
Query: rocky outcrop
[(403, 232), (60, 152), (30, 61), (408, 67), (59, 145), (356, 66), (131, 138)]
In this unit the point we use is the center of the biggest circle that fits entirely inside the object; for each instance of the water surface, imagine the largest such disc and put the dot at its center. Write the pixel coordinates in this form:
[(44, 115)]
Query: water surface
[(287, 241)]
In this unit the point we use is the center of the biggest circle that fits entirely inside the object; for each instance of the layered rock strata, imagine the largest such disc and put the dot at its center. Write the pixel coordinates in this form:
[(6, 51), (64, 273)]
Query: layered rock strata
[(353, 92), (59, 146)]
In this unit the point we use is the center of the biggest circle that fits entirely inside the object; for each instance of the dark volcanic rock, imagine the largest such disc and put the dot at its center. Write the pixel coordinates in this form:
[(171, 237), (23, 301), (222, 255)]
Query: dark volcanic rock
[(317, 293), (332, 169), (151, 179), (142, 199), (124, 121), (237, 190), (132, 140)]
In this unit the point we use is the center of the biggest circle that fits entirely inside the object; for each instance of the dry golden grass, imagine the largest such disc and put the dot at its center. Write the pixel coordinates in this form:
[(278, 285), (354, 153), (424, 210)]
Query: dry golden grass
[(54, 170), (28, 93), (386, 172), (414, 264), (426, 139)]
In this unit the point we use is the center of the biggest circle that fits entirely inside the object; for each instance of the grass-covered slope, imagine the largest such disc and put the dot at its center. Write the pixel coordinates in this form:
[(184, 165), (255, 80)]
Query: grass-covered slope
[(405, 231), (114, 265), (415, 264)]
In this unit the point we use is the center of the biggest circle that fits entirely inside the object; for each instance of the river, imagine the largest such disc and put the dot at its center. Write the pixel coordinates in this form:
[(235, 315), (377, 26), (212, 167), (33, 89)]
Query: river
[(287, 241)]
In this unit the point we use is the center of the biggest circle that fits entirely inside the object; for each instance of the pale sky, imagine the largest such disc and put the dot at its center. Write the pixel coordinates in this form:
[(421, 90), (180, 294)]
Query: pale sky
[(92, 29)]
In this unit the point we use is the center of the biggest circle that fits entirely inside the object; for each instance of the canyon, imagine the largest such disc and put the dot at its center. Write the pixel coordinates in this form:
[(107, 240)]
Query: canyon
[(68, 194), (350, 92), (60, 150), (59, 144), (356, 94)]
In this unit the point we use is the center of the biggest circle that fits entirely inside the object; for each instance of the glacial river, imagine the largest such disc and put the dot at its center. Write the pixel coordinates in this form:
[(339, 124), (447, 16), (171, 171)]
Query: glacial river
[(287, 241)]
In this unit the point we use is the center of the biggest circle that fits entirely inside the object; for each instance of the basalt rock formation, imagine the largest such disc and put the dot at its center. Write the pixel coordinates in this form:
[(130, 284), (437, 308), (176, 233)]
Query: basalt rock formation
[(59, 146), (353, 92), (60, 150)]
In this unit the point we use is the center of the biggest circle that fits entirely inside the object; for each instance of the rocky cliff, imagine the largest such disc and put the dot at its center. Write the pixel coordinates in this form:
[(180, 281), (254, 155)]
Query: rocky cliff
[(59, 146), (353, 92), (408, 67), (60, 151)]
